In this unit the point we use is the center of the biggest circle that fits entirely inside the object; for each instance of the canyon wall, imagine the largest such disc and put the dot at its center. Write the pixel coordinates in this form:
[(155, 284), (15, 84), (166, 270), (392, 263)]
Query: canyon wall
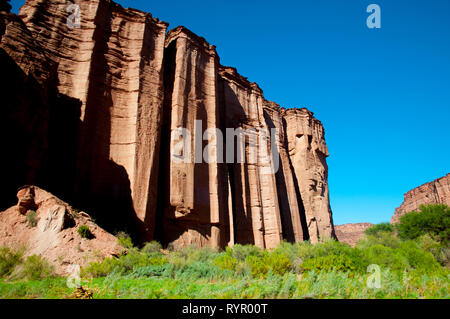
[(435, 192), (146, 130)]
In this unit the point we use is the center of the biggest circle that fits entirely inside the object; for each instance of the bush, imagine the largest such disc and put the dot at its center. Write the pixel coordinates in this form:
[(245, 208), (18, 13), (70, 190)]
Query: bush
[(197, 270), (385, 256), (383, 238), (276, 262), (153, 271), (34, 268), (329, 263), (125, 240), (417, 258), (151, 247), (85, 232), (241, 252), (124, 264), (383, 227), (31, 218), (430, 219), (8, 261), (226, 262)]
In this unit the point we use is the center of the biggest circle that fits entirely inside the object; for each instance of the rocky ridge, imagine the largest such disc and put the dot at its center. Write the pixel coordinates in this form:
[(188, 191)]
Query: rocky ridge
[(435, 192)]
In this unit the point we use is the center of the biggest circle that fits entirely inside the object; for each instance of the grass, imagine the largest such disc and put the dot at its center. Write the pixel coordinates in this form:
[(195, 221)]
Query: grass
[(325, 270)]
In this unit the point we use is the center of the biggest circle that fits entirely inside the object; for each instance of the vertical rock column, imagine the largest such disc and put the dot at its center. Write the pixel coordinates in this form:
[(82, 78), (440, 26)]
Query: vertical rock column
[(255, 206), (195, 210), (308, 153), (290, 201)]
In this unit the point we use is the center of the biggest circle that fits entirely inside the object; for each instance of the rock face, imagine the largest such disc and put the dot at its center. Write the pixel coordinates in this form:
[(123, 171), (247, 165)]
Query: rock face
[(351, 233), (154, 134), (435, 192), (55, 233)]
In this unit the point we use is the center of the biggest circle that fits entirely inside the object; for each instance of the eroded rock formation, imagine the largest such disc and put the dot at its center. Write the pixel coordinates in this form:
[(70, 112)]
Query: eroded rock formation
[(435, 192), (52, 231), (351, 233), (122, 91)]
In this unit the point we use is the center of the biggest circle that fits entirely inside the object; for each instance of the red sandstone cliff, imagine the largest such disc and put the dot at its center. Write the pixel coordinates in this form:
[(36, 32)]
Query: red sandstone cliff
[(119, 88), (435, 192), (351, 233)]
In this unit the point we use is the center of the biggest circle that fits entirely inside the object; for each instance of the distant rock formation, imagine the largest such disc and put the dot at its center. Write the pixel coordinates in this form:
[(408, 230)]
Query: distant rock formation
[(435, 192), (351, 233), (110, 97)]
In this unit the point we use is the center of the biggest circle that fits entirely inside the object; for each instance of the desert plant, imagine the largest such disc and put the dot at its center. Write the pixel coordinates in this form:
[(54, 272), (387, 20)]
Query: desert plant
[(124, 240), (151, 247), (383, 238), (430, 219), (31, 218), (9, 260), (226, 262), (383, 227), (329, 263), (85, 232), (241, 252), (34, 268), (276, 262)]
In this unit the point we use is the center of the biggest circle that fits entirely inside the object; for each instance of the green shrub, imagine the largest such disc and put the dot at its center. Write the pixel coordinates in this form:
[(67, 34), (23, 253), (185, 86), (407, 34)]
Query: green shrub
[(124, 264), (9, 260), (125, 240), (329, 263), (34, 268), (197, 270), (383, 238), (260, 266), (152, 247), (385, 256), (153, 271), (241, 252), (194, 254), (85, 232), (31, 218), (226, 262), (418, 258), (101, 269), (430, 219), (383, 227)]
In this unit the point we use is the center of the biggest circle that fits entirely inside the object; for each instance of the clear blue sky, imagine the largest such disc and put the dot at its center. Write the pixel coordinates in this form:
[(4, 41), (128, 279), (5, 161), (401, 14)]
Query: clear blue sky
[(383, 95)]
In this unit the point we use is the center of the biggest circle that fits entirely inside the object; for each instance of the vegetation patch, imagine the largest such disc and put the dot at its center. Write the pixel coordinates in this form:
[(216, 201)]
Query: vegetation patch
[(409, 266), (85, 232)]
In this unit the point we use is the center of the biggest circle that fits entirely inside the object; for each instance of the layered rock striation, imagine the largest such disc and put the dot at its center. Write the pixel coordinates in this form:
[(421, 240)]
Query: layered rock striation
[(435, 192), (351, 233), (145, 128)]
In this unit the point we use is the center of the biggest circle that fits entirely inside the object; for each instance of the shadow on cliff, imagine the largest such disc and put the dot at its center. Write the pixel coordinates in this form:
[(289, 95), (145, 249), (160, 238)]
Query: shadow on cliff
[(23, 129), (286, 214), (236, 117), (103, 186), (45, 143), (169, 225)]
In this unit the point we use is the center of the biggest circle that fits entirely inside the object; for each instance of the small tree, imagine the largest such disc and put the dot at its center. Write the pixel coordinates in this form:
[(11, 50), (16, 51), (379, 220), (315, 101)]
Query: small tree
[(5, 6), (430, 219), (375, 229)]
